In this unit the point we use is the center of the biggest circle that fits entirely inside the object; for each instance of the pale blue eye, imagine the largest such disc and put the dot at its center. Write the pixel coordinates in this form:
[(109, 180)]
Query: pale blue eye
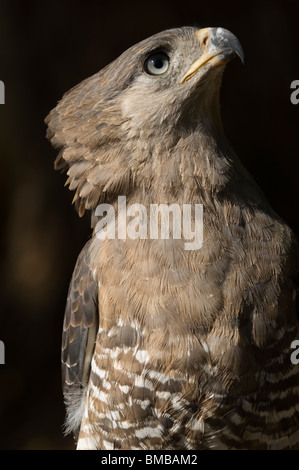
[(156, 64)]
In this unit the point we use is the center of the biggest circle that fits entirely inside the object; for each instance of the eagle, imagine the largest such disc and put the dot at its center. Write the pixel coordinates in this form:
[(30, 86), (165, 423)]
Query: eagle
[(166, 347)]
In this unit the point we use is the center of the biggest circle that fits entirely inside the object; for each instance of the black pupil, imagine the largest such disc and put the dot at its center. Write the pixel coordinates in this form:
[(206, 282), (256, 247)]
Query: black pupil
[(158, 63)]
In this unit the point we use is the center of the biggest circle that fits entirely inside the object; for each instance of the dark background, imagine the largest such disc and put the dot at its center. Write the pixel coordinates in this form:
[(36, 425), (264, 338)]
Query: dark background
[(45, 49)]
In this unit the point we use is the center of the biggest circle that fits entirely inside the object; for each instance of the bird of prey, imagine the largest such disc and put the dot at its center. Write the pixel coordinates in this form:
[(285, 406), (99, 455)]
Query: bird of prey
[(164, 347)]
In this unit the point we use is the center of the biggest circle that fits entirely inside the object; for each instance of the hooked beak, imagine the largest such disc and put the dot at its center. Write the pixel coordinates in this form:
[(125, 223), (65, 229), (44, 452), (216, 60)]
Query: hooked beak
[(219, 46)]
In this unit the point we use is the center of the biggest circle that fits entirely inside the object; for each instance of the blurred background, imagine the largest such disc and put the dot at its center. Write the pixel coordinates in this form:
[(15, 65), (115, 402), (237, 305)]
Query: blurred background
[(45, 49)]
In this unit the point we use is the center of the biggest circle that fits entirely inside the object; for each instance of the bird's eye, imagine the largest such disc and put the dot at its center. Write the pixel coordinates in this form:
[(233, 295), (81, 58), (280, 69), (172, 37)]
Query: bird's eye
[(156, 64)]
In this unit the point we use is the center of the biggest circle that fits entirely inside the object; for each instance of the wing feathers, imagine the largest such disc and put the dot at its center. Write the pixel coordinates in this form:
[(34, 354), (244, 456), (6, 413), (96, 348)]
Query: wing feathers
[(78, 338)]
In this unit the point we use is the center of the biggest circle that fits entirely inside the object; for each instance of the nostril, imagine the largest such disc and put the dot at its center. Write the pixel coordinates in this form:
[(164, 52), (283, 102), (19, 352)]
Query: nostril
[(203, 37), (205, 41)]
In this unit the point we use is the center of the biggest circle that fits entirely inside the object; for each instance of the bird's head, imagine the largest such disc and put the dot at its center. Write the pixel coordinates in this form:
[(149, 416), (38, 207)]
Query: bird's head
[(118, 121), (175, 78)]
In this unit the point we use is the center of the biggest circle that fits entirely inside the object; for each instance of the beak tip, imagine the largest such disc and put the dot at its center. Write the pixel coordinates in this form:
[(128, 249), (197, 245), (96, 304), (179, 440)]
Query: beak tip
[(241, 57), (221, 37)]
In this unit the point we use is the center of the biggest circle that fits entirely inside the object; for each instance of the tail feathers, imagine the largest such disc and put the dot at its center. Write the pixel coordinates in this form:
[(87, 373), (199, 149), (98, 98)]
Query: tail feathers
[(74, 400)]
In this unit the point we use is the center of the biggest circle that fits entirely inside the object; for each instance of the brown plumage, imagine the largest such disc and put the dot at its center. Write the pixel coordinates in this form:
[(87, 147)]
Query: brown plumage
[(163, 347)]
